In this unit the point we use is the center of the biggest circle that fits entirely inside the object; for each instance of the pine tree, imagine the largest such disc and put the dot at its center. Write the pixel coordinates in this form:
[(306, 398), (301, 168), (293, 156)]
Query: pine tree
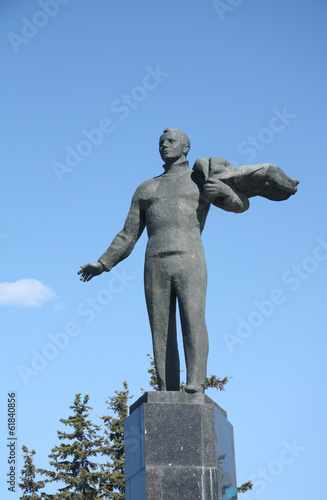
[(112, 483), (29, 486), (245, 487), (153, 374), (216, 382), (79, 473)]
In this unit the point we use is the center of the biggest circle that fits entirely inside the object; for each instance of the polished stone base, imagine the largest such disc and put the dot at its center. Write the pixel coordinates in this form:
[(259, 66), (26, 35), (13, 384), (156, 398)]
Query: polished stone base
[(178, 446)]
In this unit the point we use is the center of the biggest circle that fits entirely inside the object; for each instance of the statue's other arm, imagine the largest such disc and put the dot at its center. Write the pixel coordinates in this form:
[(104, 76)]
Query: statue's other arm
[(223, 196), (122, 244)]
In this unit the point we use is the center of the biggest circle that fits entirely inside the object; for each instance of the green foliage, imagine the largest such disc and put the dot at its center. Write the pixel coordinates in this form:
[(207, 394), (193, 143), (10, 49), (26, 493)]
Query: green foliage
[(211, 382), (153, 374), (71, 460), (29, 485), (112, 481), (245, 487), (216, 383)]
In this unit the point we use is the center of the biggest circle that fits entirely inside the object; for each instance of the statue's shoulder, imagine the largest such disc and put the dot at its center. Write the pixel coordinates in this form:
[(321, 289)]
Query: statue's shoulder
[(213, 165), (146, 187)]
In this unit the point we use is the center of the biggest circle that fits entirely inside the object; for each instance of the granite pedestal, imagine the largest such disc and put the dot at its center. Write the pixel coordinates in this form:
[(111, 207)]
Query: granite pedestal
[(179, 446)]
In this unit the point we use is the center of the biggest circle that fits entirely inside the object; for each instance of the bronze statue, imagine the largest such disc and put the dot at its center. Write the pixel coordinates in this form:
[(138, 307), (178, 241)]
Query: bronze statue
[(173, 207)]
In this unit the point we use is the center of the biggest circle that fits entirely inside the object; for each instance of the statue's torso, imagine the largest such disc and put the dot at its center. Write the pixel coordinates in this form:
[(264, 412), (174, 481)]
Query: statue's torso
[(175, 212)]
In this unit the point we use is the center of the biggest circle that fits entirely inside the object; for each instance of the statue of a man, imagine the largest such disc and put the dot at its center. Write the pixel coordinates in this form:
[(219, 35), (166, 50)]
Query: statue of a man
[(173, 207)]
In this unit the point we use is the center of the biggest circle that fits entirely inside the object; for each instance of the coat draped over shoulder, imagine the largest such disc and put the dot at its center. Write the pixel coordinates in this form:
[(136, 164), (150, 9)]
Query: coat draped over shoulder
[(262, 179)]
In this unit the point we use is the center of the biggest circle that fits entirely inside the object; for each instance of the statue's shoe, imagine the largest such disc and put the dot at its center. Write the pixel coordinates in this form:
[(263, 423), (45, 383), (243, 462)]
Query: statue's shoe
[(193, 388)]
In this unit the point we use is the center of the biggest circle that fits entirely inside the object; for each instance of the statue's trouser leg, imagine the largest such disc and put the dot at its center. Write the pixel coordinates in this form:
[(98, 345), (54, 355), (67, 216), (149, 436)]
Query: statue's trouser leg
[(184, 276), (161, 303), (191, 285)]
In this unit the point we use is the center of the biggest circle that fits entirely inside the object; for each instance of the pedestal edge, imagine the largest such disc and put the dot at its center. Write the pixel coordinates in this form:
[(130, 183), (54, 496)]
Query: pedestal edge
[(174, 397)]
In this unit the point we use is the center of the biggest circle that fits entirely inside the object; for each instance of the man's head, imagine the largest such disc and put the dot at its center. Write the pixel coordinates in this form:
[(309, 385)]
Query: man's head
[(173, 145)]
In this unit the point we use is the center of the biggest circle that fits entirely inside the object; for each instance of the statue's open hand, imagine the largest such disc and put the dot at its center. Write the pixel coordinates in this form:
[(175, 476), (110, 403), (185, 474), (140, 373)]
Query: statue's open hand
[(89, 270)]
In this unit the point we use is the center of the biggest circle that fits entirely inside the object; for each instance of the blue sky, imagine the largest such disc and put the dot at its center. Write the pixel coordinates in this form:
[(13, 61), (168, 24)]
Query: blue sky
[(87, 88)]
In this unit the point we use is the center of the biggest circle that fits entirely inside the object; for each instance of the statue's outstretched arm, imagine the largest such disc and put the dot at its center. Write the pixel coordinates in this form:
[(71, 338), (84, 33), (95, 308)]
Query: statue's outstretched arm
[(121, 246), (124, 242)]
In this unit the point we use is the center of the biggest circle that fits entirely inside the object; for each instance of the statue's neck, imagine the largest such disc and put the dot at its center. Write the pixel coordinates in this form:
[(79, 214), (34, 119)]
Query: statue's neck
[(179, 166)]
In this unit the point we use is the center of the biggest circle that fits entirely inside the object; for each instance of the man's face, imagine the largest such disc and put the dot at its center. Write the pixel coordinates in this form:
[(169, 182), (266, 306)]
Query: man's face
[(171, 148)]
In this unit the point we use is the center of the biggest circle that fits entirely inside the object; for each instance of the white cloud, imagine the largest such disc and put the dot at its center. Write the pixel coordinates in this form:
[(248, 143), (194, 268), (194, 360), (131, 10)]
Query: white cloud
[(25, 292)]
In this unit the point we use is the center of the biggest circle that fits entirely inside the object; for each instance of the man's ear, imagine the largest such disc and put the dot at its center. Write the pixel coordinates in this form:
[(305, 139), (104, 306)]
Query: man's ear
[(186, 150)]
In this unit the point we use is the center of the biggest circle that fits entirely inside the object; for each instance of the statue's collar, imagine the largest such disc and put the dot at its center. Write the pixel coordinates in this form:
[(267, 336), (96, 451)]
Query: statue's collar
[(178, 167)]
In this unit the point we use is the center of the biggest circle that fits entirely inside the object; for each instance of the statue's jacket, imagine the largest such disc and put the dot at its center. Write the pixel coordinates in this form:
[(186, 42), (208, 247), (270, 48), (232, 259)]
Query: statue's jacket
[(263, 179)]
